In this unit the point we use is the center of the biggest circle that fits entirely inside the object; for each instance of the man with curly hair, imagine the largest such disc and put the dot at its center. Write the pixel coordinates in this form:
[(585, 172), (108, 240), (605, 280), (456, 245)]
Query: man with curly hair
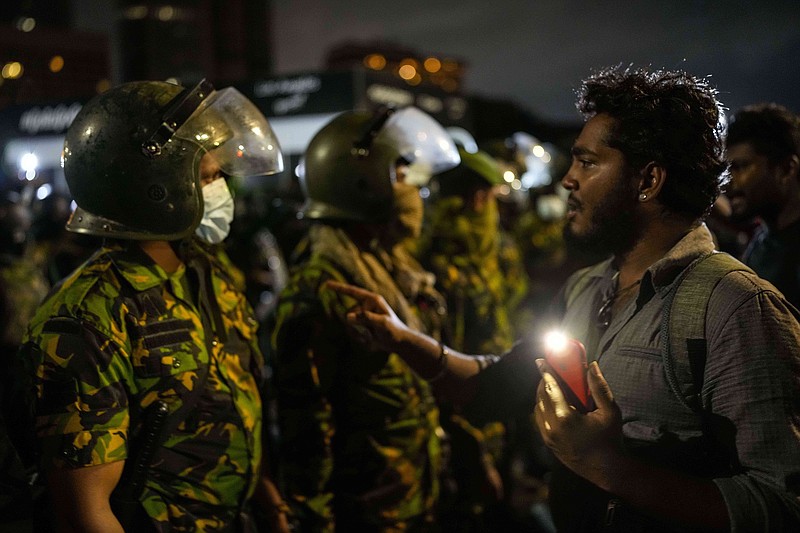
[(720, 452)]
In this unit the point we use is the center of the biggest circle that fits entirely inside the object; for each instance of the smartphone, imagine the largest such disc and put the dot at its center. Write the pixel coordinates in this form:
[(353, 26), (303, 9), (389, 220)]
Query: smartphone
[(567, 358)]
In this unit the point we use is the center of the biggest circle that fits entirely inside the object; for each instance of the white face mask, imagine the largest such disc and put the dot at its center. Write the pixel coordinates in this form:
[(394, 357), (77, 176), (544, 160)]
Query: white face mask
[(217, 212)]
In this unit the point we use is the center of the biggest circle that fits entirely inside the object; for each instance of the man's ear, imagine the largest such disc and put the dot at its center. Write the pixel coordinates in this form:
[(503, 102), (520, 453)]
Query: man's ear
[(651, 181), (790, 169)]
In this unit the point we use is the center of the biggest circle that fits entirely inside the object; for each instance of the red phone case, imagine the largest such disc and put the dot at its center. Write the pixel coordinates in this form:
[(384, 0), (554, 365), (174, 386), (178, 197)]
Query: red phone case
[(570, 367)]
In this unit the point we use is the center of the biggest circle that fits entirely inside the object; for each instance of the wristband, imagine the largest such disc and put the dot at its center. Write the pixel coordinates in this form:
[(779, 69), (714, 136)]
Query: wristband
[(444, 353)]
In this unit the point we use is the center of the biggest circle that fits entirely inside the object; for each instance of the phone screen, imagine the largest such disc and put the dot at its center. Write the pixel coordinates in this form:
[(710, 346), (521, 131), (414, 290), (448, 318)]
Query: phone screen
[(567, 358)]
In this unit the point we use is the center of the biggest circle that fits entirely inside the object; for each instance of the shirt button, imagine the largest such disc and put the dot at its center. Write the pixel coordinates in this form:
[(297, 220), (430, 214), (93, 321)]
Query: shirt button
[(176, 363)]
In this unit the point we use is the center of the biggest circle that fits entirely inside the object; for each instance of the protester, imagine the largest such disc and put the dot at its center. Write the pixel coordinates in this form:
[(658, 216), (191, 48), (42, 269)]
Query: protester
[(763, 143), (696, 425)]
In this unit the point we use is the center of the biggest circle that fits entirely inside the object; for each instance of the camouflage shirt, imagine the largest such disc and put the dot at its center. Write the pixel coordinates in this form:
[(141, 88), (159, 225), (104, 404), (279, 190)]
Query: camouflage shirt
[(478, 274), (121, 333), (360, 449)]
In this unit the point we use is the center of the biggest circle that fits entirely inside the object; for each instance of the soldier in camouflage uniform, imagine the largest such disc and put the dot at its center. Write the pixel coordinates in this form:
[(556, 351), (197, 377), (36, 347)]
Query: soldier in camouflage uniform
[(143, 362), (476, 271), (481, 279), (360, 449)]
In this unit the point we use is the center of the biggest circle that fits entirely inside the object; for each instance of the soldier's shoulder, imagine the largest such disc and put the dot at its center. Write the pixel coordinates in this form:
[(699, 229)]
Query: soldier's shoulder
[(83, 293)]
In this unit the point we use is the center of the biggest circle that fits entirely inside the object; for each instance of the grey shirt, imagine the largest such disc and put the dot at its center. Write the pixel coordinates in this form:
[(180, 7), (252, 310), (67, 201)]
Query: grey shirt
[(751, 382)]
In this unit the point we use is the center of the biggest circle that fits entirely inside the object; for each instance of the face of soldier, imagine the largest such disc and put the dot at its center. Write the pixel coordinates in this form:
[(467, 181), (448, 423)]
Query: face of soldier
[(409, 209), (217, 202), (601, 208)]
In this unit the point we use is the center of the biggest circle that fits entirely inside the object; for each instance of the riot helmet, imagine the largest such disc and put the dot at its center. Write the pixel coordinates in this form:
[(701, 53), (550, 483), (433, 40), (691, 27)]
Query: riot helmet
[(132, 155), (349, 167)]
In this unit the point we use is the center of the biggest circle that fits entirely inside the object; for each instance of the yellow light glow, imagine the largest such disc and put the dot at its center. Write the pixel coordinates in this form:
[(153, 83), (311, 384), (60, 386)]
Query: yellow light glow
[(416, 80), (538, 150), (375, 61), (449, 84), (509, 176), (56, 64), (432, 65), (165, 13), (410, 61), (12, 70), (135, 12), (407, 72)]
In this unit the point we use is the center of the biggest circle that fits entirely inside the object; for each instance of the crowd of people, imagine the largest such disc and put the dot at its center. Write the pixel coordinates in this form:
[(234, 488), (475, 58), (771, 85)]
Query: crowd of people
[(172, 363)]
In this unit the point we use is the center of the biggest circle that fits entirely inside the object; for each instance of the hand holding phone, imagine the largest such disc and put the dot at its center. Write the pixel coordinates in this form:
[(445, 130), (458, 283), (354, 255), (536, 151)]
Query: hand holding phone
[(567, 358)]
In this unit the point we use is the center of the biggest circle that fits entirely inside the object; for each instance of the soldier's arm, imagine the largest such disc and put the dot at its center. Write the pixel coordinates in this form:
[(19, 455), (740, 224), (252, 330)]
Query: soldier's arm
[(81, 497)]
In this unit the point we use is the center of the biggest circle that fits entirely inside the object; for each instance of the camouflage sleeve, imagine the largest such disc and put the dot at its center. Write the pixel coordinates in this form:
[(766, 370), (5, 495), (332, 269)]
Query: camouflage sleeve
[(81, 407), (307, 341)]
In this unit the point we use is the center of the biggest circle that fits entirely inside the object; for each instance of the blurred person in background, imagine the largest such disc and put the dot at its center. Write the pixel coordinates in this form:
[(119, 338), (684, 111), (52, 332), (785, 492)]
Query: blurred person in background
[(360, 435), (763, 144), (22, 288), (141, 368)]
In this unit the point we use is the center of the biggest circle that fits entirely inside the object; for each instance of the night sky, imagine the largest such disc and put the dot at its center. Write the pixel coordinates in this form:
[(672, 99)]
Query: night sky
[(536, 52)]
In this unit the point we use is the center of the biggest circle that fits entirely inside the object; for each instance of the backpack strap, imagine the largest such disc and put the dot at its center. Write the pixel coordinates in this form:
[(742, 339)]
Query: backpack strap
[(685, 311)]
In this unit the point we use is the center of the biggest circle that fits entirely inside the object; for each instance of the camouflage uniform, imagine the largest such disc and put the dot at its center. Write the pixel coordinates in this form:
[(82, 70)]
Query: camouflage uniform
[(482, 280), (464, 252), (22, 288), (119, 334), (360, 450)]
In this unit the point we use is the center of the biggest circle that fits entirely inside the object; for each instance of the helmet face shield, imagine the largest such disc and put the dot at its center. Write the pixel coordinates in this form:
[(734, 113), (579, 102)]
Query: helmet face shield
[(132, 156), (233, 128), (421, 141)]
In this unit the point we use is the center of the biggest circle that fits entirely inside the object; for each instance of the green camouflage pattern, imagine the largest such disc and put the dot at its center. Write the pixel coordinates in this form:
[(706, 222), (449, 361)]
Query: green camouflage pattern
[(121, 333), (480, 279), (360, 449), (480, 273), (22, 288)]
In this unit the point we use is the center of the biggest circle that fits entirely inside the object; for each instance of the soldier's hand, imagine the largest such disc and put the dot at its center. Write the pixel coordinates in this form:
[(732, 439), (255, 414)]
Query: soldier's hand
[(372, 320)]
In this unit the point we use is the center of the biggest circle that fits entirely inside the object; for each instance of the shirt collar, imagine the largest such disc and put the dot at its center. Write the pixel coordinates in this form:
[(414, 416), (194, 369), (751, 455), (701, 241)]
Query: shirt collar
[(661, 274), (138, 268)]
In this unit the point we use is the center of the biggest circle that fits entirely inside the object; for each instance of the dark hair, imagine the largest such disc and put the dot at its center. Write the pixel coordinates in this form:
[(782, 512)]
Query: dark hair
[(669, 117), (773, 130)]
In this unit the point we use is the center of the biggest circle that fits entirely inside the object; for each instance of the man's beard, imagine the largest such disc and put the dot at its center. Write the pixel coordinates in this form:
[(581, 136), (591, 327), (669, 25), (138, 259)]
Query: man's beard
[(613, 228)]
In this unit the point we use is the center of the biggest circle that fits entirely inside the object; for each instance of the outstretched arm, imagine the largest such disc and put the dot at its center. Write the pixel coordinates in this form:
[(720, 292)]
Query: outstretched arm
[(373, 322)]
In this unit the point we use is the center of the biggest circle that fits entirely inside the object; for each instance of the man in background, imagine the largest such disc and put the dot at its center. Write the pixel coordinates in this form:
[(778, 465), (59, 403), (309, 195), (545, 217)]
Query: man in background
[(763, 145)]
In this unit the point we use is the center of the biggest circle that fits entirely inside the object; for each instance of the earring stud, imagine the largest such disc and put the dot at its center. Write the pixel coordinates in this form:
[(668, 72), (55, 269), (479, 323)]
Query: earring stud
[(642, 197)]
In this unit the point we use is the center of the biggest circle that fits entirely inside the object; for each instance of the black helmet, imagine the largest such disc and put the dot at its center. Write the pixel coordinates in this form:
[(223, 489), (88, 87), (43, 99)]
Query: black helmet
[(131, 156), (349, 167)]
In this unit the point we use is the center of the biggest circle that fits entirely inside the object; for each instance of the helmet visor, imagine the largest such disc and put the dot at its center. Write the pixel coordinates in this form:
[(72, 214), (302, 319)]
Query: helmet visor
[(421, 141), (240, 136)]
